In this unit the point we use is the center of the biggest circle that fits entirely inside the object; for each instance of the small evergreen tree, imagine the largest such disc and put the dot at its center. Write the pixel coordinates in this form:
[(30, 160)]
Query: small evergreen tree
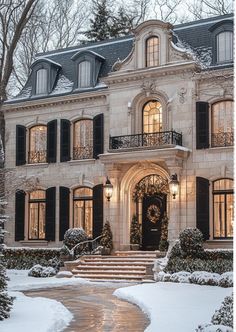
[(135, 235), (106, 240), (163, 246)]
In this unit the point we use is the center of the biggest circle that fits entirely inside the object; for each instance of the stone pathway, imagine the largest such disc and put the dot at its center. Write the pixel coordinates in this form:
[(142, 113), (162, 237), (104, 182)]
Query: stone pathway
[(95, 309)]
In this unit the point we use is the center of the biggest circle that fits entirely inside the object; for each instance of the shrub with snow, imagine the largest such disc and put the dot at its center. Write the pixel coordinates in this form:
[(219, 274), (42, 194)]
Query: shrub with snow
[(74, 236), (204, 278), (213, 328), (182, 277), (224, 315), (175, 250), (191, 242), (226, 279), (6, 301), (40, 271)]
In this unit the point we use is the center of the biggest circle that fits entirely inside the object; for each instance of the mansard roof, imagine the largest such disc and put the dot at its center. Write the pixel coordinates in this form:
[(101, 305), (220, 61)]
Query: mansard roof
[(196, 36)]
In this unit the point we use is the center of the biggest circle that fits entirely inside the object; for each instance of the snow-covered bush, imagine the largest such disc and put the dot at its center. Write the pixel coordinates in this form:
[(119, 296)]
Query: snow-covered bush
[(213, 328), (175, 250), (74, 236), (25, 258), (182, 277), (40, 271), (6, 301), (204, 278), (224, 315), (191, 242), (226, 279)]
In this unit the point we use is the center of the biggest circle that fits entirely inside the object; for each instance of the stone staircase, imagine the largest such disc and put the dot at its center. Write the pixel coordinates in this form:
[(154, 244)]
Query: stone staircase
[(122, 266)]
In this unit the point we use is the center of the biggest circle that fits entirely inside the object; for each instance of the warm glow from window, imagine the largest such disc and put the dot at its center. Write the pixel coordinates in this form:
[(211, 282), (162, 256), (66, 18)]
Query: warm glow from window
[(38, 144), (152, 52), (83, 139), (152, 117), (83, 209), (37, 209)]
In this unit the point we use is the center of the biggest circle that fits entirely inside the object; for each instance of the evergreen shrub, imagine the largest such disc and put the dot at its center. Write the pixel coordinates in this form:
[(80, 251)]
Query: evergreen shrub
[(74, 236), (6, 301), (191, 242)]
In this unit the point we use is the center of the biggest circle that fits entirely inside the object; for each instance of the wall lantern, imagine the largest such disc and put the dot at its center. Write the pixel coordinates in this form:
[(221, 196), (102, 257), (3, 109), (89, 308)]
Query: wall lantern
[(108, 187), (174, 185)]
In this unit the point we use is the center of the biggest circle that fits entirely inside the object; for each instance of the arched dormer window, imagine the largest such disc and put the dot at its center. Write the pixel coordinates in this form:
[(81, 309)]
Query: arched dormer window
[(152, 51), (152, 117), (41, 81), (84, 74), (224, 42)]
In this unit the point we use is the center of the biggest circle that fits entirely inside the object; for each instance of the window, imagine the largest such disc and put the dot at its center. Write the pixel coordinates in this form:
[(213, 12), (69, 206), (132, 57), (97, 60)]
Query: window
[(41, 81), (222, 124), (83, 209), (37, 209), (152, 117), (152, 52), (84, 74), (38, 144), (83, 139), (224, 41), (223, 208)]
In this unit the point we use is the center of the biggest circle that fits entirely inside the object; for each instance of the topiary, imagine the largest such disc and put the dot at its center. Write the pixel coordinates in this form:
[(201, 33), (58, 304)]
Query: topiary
[(163, 246), (135, 235), (74, 236), (175, 250), (191, 242), (106, 240)]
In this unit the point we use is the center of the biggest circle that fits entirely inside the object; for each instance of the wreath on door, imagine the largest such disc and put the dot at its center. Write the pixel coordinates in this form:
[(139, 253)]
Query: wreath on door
[(153, 213)]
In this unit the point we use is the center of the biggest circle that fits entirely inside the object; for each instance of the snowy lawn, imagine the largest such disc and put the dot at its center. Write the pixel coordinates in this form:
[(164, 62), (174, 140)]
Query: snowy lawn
[(174, 307)]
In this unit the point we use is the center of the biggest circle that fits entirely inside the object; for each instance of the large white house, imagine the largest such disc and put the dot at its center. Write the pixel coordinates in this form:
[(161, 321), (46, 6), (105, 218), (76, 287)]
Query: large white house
[(145, 110)]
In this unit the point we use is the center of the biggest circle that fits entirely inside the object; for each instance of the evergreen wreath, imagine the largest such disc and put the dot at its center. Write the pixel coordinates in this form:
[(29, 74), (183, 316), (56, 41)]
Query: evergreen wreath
[(153, 213)]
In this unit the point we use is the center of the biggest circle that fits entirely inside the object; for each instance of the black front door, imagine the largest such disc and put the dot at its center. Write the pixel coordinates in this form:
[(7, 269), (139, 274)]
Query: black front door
[(153, 210)]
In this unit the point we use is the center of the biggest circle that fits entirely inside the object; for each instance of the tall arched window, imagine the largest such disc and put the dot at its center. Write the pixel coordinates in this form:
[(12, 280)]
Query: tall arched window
[(41, 81), (83, 209), (84, 74), (224, 42), (38, 144), (83, 139), (222, 123), (223, 208), (152, 52), (152, 117), (37, 210)]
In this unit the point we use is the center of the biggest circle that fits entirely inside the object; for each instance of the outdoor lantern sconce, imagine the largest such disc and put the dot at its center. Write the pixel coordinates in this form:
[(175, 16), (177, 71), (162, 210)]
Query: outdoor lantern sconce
[(174, 185), (108, 189)]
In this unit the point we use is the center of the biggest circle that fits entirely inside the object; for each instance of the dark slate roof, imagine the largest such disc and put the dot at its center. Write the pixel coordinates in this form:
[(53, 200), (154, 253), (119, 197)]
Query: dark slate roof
[(192, 35)]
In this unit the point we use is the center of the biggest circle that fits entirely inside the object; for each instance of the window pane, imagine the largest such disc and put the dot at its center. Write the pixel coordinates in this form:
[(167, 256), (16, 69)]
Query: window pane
[(83, 192), (152, 117), (83, 139), (38, 194), (38, 144), (33, 221), (89, 218), (37, 215), (219, 216), (42, 220), (224, 46), (79, 214), (223, 184), (222, 124), (83, 215), (84, 78), (41, 81), (230, 214), (152, 52)]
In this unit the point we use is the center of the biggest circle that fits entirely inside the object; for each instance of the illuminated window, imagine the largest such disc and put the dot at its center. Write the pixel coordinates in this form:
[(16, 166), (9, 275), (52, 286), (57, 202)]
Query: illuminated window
[(83, 209), (224, 41), (222, 124), (41, 81), (223, 208), (38, 144), (37, 208), (83, 139), (152, 117), (84, 74), (152, 52)]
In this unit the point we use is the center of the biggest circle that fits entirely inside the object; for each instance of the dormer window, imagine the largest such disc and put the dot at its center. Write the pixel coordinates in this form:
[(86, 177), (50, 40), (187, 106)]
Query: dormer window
[(41, 81), (152, 51), (84, 74), (224, 41)]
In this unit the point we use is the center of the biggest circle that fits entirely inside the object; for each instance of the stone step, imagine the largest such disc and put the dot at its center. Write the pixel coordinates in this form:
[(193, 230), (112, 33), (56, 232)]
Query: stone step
[(137, 253), (107, 263), (110, 277), (109, 272), (111, 267), (117, 259)]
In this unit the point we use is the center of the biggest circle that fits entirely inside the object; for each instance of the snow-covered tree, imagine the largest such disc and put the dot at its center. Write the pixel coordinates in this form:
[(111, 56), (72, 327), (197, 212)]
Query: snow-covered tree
[(106, 240)]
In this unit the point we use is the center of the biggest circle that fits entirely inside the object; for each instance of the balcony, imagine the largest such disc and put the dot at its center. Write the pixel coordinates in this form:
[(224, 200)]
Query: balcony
[(155, 140), (222, 139)]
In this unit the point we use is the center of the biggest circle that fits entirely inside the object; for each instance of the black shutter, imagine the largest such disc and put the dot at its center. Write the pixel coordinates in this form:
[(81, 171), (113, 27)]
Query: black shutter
[(65, 140), (202, 125), (202, 206), (52, 141), (98, 135), (64, 214), (19, 216), (50, 213), (97, 210), (20, 145)]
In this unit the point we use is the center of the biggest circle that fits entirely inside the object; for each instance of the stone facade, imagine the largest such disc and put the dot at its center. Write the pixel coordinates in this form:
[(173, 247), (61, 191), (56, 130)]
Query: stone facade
[(178, 83)]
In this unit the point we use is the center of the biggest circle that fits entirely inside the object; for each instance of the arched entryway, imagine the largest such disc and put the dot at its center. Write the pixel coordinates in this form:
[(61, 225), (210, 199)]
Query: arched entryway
[(150, 197)]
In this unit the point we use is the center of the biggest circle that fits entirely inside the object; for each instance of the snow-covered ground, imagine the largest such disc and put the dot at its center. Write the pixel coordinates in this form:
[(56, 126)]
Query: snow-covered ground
[(174, 307)]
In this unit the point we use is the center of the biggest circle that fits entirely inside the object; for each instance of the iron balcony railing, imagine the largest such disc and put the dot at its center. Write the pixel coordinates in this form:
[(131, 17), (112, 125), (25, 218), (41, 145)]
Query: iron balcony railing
[(146, 140), (82, 152), (222, 139), (36, 157)]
